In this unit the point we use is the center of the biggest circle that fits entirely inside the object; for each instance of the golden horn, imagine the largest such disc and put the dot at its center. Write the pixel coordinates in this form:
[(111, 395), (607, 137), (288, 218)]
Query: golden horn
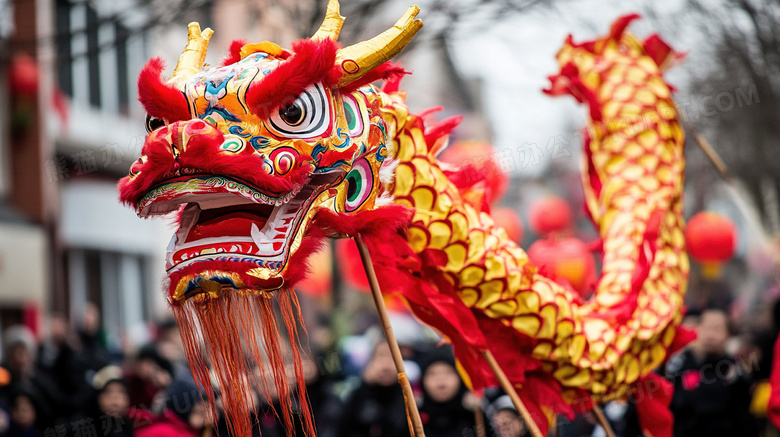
[(331, 25), (194, 55), (358, 59)]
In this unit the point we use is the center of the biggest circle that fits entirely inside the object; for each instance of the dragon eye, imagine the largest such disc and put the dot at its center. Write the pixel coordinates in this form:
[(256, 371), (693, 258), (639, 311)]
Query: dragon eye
[(308, 116), (154, 123), (292, 114), (360, 182), (353, 116)]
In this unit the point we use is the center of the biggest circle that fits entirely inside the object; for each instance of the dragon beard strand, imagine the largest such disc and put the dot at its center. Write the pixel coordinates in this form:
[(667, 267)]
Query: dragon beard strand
[(220, 342)]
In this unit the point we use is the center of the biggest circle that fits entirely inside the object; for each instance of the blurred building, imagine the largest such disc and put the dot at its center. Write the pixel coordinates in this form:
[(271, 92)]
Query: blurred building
[(26, 212), (64, 238), (106, 254)]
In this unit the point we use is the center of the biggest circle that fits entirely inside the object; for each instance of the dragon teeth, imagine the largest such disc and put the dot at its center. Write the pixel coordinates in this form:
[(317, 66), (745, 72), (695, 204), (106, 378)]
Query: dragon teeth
[(257, 236)]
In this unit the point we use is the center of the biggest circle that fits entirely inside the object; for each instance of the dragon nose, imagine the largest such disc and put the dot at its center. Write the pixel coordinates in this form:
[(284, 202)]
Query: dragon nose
[(184, 133)]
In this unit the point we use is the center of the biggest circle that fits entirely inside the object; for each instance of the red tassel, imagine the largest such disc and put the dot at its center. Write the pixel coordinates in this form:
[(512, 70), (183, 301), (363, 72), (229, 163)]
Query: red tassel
[(237, 334)]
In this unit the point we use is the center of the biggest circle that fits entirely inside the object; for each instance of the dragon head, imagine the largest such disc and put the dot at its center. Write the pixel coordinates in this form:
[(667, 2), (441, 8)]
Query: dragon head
[(588, 70), (247, 152)]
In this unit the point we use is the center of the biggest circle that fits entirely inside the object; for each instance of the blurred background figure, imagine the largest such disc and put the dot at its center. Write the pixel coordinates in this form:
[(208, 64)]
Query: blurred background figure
[(325, 405), (443, 411), (376, 408), (622, 417), (711, 392), (761, 357), (269, 410), (147, 376), (504, 418), (169, 345), (111, 403), (92, 341), (70, 359), (185, 412), (19, 354), (24, 415)]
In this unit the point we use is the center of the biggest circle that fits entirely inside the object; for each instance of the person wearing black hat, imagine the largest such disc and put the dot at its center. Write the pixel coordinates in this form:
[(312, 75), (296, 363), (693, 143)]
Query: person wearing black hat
[(711, 391), (442, 411), (111, 402), (24, 411)]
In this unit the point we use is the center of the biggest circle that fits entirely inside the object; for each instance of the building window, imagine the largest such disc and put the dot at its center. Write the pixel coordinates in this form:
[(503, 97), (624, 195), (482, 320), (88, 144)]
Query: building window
[(96, 55), (123, 85), (116, 283), (64, 65), (93, 56)]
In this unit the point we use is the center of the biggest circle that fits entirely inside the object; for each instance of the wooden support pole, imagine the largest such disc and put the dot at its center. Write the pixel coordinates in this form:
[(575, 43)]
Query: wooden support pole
[(602, 419), (507, 386), (479, 420), (412, 413), (708, 150)]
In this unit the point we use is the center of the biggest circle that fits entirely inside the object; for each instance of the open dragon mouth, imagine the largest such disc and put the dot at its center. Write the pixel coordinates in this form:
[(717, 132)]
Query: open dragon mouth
[(229, 233)]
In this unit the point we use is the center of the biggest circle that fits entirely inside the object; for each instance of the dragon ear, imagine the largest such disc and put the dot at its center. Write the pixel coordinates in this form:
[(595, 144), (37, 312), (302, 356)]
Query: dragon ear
[(194, 55), (358, 59)]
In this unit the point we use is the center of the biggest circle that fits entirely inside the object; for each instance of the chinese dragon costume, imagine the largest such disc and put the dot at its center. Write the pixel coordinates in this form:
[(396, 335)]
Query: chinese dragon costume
[(263, 158)]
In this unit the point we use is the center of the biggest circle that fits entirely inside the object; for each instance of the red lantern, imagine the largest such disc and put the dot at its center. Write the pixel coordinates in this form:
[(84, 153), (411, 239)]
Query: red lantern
[(23, 75), (508, 219), (567, 261), (711, 239), (549, 214)]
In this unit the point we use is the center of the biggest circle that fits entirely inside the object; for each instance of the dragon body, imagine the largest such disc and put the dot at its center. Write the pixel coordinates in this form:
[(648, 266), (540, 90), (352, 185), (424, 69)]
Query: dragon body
[(633, 180), (276, 150)]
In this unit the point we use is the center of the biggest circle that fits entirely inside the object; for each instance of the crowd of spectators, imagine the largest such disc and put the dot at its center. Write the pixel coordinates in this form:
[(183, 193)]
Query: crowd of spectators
[(69, 383)]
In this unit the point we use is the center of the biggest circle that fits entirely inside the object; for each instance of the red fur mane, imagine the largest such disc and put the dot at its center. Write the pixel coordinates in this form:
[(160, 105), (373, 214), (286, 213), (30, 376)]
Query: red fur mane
[(312, 62), (388, 72), (234, 52)]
